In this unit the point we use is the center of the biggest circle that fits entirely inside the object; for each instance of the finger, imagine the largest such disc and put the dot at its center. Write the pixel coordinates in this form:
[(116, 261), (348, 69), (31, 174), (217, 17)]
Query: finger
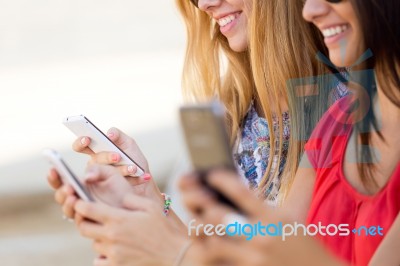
[(62, 193), (217, 214), (91, 230), (127, 170), (139, 180), (230, 185), (81, 145), (119, 138), (105, 157), (138, 203), (68, 207), (99, 172), (96, 212), (99, 247), (78, 218), (101, 261), (129, 146), (189, 181), (60, 196), (197, 200), (54, 179)]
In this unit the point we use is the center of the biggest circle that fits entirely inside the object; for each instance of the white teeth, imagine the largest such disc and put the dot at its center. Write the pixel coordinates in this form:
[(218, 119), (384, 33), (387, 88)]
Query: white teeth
[(226, 20), (330, 32)]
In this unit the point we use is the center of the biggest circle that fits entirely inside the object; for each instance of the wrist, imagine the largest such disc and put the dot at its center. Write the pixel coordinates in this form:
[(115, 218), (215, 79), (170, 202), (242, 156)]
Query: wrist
[(167, 203), (184, 257)]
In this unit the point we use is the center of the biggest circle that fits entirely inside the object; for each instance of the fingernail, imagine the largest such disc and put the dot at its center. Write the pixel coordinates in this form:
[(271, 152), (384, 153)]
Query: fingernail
[(110, 134), (130, 168), (115, 157), (83, 140), (146, 176)]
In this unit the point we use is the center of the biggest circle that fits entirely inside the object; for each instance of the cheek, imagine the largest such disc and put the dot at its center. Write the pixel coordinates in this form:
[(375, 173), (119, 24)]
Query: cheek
[(241, 41), (356, 40), (355, 47), (248, 6)]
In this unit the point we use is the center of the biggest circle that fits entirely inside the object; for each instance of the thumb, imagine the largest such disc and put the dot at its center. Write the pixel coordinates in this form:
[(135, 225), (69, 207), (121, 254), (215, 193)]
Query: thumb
[(118, 137)]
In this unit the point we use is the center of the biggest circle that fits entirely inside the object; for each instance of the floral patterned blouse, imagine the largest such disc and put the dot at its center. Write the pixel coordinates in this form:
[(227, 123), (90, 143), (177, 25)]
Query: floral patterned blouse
[(252, 149)]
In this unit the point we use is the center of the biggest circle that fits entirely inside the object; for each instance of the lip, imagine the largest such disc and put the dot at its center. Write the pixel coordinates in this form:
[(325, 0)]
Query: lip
[(217, 17), (329, 41), (227, 28)]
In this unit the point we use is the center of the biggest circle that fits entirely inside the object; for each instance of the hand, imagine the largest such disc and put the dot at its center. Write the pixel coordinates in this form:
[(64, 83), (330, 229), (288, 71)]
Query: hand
[(140, 234), (241, 250), (106, 185), (64, 194), (109, 186), (143, 185), (124, 142)]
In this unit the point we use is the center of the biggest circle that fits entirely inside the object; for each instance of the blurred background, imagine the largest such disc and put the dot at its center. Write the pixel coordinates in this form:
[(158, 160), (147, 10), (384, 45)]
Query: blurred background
[(117, 62)]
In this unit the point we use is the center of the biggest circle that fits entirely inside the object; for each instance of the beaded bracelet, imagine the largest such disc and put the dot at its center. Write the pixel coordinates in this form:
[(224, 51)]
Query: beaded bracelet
[(167, 203)]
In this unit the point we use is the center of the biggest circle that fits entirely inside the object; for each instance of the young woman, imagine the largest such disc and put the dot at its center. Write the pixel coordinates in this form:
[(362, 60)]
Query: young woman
[(215, 29), (350, 173)]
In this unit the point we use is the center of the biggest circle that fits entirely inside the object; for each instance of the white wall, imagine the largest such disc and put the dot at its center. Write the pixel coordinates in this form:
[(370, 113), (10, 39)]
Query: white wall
[(118, 62)]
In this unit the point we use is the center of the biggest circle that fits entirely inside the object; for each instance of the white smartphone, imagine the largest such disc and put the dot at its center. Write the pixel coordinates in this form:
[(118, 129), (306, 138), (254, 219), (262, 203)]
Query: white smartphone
[(66, 174), (82, 126)]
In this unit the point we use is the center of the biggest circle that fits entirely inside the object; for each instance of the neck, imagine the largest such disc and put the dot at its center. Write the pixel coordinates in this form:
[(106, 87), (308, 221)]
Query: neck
[(387, 112)]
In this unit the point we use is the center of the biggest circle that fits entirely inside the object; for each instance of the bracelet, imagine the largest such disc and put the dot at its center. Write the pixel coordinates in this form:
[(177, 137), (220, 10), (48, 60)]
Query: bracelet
[(167, 203), (182, 253)]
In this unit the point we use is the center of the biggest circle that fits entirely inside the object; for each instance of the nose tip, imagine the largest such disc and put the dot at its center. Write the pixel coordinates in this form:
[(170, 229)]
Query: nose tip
[(206, 5), (314, 8), (307, 11)]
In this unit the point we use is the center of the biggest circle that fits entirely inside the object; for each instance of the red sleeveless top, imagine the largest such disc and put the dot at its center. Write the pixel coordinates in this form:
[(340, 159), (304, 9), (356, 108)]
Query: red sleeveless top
[(335, 201)]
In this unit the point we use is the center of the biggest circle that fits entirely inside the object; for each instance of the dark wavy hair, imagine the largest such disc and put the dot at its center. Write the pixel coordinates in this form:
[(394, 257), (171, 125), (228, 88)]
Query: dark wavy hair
[(380, 23)]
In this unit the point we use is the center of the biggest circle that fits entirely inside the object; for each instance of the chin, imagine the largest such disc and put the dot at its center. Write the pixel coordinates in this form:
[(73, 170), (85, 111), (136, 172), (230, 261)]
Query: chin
[(338, 60), (238, 46)]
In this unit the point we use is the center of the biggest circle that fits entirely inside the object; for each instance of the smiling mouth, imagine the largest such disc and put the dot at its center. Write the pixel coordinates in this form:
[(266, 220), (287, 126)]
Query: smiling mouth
[(333, 31), (222, 22)]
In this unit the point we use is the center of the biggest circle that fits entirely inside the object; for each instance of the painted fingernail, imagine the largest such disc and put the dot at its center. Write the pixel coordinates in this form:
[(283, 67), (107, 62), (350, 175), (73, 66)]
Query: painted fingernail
[(115, 157), (146, 177), (131, 169), (83, 140)]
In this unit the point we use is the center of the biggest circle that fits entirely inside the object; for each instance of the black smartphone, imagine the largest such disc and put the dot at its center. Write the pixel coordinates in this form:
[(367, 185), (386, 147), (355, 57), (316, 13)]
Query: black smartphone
[(207, 142)]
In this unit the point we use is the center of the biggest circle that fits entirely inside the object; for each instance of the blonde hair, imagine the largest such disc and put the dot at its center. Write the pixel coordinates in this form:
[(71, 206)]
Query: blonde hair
[(279, 50), (202, 79), (283, 50)]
